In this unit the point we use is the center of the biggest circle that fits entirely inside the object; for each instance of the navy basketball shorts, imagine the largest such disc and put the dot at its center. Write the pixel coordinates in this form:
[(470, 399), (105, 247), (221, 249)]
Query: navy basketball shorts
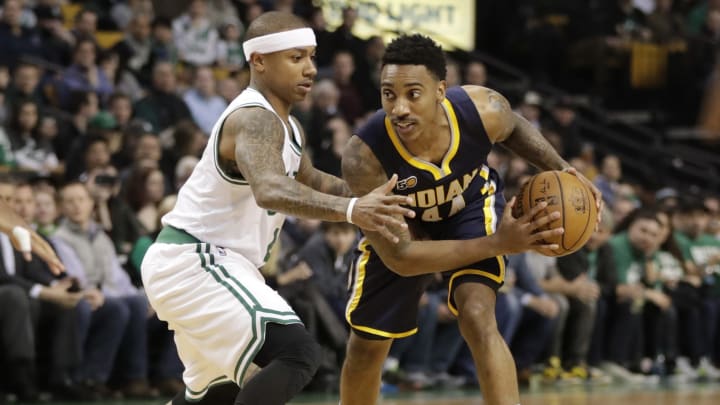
[(383, 304)]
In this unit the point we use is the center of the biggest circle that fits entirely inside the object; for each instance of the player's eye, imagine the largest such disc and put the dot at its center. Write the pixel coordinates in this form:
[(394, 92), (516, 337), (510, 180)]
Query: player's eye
[(415, 94), (387, 94)]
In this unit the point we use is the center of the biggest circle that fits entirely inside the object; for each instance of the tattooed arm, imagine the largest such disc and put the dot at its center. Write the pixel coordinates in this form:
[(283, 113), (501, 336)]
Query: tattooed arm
[(317, 179), (408, 257), (513, 131), (517, 134), (253, 138)]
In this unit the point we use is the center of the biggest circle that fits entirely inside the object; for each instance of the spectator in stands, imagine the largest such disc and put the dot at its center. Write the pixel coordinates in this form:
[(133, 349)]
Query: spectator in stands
[(625, 272), (46, 214), (89, 153), (454, 74), (701, 252), (144, 190), (122, 80), (329, 155), (16, 40), (122, 13), (475, 73), (165, 368), (83, 75), (230, 55), (576, 301), (343, 39), (57, 41), (326, 98), (119, 309), (188, 140), (120, 106), (351, 102), (39, 297), (220, 11), (526, 316), (135, 48), (368, 72), (229, 88), (608, 180), (25, 84), (578, 269), (142, 244), (32, 150), (162, 108), (320, 298), (204, 103), (566, 125), (83, 106), (17, 342), (530, 108), (55, 310), (163, 46), (148, 152), (111, 211), (195, 36), (86, 22)]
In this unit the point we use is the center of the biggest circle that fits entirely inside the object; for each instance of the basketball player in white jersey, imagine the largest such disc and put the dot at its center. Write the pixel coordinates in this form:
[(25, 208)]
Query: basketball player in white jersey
[(201, 275)]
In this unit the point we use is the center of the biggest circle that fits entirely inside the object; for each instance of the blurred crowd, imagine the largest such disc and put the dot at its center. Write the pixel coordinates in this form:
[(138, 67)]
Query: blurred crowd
[(106, 107)]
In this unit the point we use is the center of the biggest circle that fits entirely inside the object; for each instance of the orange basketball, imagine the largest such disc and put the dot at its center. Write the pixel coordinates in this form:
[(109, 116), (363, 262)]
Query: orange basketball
[(566, 194)]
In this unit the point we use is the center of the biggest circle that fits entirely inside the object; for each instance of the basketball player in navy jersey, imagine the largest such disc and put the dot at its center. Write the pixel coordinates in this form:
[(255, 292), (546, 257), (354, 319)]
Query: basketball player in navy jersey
[(437, 141)]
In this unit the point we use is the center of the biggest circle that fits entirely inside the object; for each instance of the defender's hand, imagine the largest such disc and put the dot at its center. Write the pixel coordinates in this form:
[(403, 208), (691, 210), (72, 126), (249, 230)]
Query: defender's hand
[(521, 234), (377, 211)]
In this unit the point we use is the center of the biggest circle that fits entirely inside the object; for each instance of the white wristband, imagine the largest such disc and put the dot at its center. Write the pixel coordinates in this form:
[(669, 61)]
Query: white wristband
[(22, 235), (348, 213)]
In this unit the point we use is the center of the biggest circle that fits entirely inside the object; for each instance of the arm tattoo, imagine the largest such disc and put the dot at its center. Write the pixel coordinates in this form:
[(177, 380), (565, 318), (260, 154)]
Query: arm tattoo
[(321, 181), (528, 143), (501, 106), (259, 138), (363, 174)]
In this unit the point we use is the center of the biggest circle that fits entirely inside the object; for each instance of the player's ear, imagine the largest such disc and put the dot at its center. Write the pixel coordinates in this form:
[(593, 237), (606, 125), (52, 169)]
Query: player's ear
[(442, 86), (258, 62)]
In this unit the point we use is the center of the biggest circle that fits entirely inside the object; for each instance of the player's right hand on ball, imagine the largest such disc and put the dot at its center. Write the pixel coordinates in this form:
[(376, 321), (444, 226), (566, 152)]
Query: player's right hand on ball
[(517, 235), (380, 212)]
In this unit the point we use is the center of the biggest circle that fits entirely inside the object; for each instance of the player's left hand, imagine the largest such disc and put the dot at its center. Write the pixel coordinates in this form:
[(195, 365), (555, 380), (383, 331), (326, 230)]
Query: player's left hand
[(596, 193)]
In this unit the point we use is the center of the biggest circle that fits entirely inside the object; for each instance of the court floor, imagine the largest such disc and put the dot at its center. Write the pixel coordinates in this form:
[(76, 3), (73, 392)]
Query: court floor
[(698, 394)]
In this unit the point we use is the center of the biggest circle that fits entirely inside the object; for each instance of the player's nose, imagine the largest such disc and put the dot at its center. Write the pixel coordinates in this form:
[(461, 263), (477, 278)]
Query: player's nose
[(400, 108), (310, 69)]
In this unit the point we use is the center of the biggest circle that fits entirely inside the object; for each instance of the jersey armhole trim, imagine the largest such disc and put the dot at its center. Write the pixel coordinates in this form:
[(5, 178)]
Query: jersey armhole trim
[(216, 150)]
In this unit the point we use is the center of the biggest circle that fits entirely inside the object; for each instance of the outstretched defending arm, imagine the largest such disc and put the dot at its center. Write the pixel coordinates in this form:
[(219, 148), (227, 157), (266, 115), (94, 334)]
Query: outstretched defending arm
[(254, 138), (408, 257)]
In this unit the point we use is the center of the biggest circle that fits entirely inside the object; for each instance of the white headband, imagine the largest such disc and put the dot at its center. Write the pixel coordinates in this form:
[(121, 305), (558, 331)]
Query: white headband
[(279, 41)]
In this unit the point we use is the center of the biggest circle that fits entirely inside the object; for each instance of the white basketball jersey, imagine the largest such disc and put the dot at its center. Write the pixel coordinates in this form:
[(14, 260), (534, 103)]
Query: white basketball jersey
[(219, 209)]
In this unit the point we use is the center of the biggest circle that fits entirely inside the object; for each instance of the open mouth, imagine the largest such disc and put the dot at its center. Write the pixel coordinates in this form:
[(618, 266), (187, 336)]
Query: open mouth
[(404, 126)]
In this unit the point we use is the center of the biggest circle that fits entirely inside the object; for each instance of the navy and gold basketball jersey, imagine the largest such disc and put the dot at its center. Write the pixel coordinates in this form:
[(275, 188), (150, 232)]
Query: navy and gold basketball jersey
[(461, 198), (462, 181)]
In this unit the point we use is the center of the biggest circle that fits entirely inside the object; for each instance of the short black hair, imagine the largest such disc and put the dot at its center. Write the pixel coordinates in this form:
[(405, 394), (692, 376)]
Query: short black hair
[(416, 49)]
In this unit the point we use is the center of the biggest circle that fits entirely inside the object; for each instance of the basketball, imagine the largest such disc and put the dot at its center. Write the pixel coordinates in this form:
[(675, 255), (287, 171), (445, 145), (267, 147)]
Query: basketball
[(566, 194)]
